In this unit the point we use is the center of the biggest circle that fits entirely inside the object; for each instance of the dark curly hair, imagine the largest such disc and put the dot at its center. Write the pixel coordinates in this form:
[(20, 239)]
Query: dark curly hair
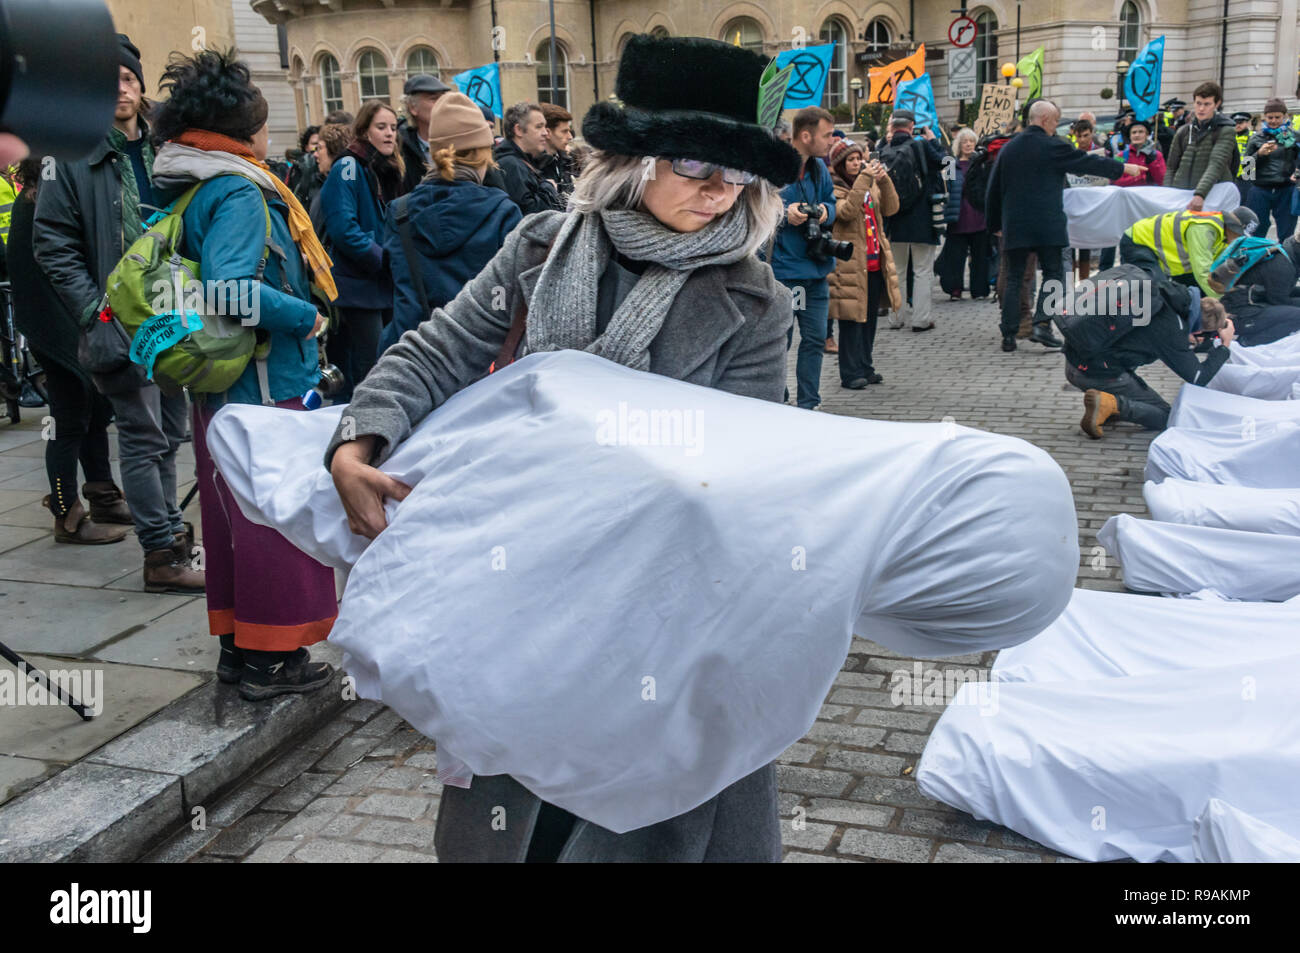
[(212, 91)]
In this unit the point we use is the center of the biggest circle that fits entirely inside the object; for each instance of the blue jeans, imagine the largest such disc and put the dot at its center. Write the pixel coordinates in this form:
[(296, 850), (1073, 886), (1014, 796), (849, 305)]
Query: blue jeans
[(1264, 199), (812, 335)]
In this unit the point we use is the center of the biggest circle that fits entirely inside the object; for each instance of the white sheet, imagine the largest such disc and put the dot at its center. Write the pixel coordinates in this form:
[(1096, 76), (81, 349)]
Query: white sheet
[(1199, 408), (1225, 835), (1254, 509), (1113, 634), (1255, 453), (1285, 351), (1098, 217), (1264, 381), (1173, 558), (1122, 767), (628, 629)]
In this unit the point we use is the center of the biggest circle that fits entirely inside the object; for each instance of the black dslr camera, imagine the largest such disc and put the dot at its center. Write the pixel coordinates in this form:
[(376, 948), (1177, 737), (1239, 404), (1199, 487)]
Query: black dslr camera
[(820, 244)]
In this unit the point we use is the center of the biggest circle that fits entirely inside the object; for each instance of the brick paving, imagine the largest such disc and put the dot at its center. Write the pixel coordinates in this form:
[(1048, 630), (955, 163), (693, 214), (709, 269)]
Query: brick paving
[(364, 788)]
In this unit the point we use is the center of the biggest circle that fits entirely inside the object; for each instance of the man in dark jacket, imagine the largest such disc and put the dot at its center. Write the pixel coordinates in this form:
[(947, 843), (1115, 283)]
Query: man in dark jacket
[(1202, 151), (517, 155), (1171, 118), (555, 163), (1026, 206), (1106, 373), (1277, 167), (911, 229), (418, 95), (87, 215)]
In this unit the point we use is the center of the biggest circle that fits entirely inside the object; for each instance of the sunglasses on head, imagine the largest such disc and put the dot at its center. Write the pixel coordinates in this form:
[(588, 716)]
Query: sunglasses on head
[(699, 169)]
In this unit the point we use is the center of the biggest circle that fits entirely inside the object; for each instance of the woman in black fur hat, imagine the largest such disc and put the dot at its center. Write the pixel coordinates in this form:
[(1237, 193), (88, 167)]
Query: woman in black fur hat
[(653, 267)]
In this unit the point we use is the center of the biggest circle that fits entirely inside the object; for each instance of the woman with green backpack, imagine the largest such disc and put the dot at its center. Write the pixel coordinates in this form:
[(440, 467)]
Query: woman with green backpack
[(257, 255)]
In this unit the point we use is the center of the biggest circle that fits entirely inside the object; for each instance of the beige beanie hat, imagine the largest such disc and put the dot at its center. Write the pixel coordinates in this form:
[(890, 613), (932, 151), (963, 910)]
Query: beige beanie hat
[(457, 122)]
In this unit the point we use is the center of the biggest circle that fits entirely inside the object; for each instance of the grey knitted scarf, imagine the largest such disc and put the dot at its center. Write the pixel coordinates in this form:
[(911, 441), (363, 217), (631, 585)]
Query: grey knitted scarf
[(562, 313)]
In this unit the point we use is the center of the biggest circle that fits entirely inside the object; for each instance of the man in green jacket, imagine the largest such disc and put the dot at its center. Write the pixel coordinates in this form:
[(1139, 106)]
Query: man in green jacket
[(1202, 152)]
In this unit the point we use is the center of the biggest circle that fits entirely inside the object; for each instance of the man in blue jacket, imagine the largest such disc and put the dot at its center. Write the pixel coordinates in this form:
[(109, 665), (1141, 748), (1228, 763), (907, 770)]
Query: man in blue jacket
[(791, 264)]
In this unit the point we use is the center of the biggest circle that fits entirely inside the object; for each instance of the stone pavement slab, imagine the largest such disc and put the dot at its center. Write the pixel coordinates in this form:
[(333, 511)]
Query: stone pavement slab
[(71, 620)]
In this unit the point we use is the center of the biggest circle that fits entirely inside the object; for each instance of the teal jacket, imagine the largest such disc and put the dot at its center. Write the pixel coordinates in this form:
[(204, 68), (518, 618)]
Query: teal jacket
[(225, 232)]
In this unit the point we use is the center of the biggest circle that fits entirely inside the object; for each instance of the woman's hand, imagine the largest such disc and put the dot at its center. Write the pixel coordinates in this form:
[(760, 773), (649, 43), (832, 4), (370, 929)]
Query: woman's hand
[(362, 488), (315, 328)]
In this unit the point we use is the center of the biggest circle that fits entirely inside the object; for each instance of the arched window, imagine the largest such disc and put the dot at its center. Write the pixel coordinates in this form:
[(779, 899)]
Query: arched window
[(558, 96), (986, 51), (1130, 23), (421, 60), (878, 36), (372, 72), (659, 32), (331, 86), (837, 88), (744, 31)]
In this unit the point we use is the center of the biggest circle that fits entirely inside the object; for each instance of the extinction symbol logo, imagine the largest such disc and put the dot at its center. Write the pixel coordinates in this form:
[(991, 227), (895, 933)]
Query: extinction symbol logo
[(480, 91), (807, 76)]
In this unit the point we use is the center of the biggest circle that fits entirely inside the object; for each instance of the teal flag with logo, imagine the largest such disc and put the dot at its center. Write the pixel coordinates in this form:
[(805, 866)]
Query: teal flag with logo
[(482, 84), (810, 65), (1142, 83)]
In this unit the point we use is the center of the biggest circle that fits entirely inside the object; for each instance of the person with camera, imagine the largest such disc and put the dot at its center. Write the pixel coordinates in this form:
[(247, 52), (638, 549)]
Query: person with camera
[(916, 168), (654, 272), (354, 200), (1277, 170), (1025, 206), (88, 213), (266, 599), (798, 253), (864, 195), (1103, 350), (444, 232)]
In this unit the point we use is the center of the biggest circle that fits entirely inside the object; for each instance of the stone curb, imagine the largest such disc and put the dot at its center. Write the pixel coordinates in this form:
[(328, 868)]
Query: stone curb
[(125, 797)]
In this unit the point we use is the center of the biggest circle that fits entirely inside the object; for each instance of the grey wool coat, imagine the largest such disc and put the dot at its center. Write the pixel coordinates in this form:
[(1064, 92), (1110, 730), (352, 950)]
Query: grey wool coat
[(726, 329)]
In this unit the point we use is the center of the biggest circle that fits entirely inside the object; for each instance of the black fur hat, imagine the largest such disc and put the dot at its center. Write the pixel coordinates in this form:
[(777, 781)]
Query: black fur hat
[(690, 98)]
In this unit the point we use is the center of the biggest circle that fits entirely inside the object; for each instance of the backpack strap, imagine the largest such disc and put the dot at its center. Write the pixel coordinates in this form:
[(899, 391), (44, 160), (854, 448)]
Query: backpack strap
[(401, 216), (510, 346)]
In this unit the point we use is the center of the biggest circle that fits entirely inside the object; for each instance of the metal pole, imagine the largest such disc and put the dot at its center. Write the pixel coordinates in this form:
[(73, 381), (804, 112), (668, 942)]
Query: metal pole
[(496, 54), (1223, 46), (595, 73), (551, 4), (1017, 31)]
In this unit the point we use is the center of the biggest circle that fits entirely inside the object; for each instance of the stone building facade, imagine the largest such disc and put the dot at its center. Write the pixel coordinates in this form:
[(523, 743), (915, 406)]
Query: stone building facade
[(342, 52)]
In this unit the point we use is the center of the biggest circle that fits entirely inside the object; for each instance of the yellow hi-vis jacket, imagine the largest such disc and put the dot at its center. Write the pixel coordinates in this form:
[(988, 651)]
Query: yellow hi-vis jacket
[(1185, 243), (7, 195)]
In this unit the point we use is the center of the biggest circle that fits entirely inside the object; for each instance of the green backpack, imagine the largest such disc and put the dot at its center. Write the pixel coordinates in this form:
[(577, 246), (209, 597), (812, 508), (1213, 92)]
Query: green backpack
[(159, 299)]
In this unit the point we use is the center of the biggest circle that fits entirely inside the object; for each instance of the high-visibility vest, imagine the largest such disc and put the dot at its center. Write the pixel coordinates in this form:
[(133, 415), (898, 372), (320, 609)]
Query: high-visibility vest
[(7, 195), (1242, 139), (1166, 235)]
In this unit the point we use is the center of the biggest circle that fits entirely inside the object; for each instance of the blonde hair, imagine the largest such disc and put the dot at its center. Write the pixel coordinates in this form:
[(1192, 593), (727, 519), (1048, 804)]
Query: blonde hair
[(444, 161), (609, 180)]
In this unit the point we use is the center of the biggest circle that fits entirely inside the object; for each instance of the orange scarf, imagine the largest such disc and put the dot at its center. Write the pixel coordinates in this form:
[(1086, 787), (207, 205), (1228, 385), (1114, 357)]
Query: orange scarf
[(304, 236)]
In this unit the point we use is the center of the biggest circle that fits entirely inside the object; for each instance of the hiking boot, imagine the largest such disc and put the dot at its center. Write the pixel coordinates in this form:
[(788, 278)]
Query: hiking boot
[(168, 570), (230, 666), (267, 674), (1098, 407), (107, 504), (77, 527), (831, 346), (185, 540)]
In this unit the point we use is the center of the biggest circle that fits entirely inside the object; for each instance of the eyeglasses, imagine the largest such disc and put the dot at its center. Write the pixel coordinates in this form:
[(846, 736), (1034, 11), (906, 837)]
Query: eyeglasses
[(698, 169)]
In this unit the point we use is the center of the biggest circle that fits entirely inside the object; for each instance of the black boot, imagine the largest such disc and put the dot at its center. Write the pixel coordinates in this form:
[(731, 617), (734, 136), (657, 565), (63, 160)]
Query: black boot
[(230, 667), (267, 674)]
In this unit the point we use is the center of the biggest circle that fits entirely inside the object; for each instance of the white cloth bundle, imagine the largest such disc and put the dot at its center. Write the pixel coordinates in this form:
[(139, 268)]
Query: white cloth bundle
[(1282, 352), (1255, 509), (1264, 381), (1098, 217), (1176, 559), (1263, 454), (1225, 835), (1199, 408), (627, 628), (1102, 764), (1111, 634)]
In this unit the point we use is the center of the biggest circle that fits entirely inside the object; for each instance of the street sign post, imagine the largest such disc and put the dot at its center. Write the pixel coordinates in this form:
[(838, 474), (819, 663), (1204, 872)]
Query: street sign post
[(961, 74)]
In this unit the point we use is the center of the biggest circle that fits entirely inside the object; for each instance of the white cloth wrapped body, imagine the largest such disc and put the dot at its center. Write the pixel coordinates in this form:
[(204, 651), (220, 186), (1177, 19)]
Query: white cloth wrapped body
[(1280, 353), (1264, 381), (1199, 408), (1254, 509), (628, 629), (1098, 217), (1255, 453), (1175, 559)]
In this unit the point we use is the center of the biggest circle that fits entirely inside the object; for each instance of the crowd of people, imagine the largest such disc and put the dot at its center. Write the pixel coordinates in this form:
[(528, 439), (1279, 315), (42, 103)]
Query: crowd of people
[(388, 242)]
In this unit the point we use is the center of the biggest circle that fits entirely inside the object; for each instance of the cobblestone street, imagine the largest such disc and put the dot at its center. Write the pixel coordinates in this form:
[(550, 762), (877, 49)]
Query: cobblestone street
[(364, 787)]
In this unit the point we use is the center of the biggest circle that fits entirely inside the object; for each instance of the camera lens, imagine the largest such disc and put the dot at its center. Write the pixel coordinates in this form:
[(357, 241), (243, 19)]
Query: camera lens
[(58, 74)]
